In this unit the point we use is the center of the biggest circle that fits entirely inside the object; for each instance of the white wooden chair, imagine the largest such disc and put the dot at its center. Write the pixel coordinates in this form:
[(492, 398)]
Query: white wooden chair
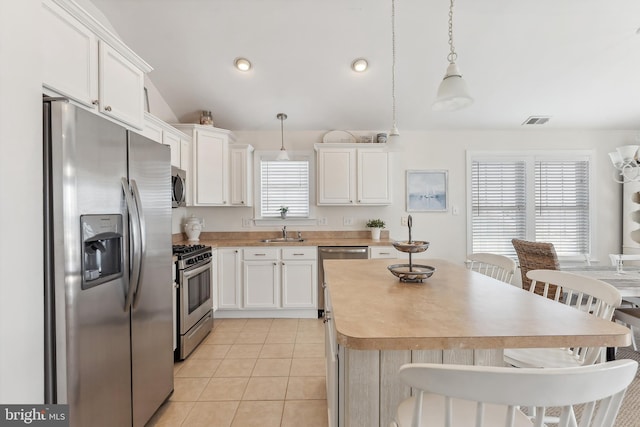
[(623, 257), (462, 395), (630, 317), (587, 294), (493, 265)]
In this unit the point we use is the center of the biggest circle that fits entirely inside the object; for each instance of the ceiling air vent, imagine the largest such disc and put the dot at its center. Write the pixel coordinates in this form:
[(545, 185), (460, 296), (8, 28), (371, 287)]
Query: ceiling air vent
[(536, 120)]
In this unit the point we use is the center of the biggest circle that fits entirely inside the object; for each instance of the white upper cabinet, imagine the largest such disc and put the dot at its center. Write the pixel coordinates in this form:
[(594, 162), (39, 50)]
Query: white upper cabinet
[(241, 170), (222, 170), (173, 141), (121, 87), (70, 55), (85, 62), (353, 176), (373, 177)]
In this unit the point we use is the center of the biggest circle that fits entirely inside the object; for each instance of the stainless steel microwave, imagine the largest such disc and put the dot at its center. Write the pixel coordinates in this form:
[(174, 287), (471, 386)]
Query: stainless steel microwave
[(178, 187)]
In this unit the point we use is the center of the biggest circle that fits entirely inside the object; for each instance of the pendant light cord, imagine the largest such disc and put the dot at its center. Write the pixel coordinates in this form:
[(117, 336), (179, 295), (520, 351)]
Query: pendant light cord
[(393, 62), (452, 50), (281, 132)]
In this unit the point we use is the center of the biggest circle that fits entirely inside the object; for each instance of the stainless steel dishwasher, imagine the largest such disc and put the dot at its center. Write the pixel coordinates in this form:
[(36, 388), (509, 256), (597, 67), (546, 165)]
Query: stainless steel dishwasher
[(335, 252)]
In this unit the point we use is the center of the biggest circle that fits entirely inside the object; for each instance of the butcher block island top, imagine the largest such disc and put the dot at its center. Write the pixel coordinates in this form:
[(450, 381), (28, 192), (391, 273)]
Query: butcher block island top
[(454, 309)]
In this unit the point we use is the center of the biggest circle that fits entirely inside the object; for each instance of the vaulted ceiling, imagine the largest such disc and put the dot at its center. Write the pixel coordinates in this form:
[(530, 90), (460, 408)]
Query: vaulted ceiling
[(577, 61)]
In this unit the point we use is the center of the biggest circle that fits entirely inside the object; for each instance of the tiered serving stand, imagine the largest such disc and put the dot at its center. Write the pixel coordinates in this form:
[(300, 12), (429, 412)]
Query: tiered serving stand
[(411, 273)]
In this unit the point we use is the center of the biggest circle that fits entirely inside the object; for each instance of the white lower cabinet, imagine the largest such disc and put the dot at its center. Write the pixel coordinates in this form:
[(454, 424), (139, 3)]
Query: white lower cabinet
[(261, 278), (378, 252), (229, 278), (299, 277), (271, 282)]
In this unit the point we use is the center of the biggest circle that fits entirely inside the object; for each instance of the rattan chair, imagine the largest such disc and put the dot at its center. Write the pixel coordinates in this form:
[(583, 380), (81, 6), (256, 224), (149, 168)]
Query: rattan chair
[(535, 256)]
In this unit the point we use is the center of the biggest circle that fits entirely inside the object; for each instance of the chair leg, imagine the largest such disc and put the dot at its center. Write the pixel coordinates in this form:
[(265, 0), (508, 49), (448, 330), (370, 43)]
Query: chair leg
[(633, 338)]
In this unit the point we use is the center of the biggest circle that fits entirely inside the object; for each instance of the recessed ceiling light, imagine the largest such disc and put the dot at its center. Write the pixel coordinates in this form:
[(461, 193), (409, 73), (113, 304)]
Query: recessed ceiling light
[(359, 65), (242, 64)]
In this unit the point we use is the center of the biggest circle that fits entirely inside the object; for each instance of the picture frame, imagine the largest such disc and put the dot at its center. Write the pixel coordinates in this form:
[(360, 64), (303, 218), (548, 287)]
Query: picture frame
[(427, 191)]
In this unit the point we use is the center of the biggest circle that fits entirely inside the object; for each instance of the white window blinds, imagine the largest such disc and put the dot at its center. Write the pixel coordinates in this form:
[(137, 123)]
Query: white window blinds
[(498, 205), (562, 205), (537, 199), (284, 183)]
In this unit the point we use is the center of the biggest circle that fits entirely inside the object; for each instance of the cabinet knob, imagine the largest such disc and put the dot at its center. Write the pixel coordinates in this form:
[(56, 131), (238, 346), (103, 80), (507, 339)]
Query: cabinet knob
[(275, 263), (242, 202), (107, 108), (95, 102)]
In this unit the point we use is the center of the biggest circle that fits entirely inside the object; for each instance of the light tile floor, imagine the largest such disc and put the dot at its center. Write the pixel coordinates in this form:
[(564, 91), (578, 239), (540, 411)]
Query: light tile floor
[(251, 372)]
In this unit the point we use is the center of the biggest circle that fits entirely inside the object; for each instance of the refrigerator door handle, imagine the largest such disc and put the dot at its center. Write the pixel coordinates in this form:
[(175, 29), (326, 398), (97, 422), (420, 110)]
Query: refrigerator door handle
[(142, 248), (134, 247)]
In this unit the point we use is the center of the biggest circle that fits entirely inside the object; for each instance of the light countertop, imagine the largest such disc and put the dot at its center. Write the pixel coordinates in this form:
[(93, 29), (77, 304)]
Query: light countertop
[(454, 309), (311, 238)]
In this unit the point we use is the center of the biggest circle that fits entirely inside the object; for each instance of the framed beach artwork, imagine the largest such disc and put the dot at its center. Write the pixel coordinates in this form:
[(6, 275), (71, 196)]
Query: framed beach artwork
[(427, 191)]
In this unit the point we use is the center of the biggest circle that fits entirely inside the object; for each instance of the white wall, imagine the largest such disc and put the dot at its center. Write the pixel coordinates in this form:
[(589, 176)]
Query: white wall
[(443, 150), (21, 289)]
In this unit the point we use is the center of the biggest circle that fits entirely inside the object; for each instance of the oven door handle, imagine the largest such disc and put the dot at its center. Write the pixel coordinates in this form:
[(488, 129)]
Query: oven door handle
[(186, 274), (142, 248), (133, 250)]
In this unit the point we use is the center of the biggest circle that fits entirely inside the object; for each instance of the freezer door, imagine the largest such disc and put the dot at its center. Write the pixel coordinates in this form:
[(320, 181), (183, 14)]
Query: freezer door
[(85, 161), (152, 307)]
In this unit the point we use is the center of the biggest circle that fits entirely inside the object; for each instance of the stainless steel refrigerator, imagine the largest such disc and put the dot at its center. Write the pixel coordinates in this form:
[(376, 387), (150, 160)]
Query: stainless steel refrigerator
[(108, 284)]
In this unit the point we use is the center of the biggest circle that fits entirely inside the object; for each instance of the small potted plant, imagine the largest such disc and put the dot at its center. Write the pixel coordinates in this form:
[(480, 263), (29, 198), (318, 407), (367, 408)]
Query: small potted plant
[(375, 225), (283, 211)]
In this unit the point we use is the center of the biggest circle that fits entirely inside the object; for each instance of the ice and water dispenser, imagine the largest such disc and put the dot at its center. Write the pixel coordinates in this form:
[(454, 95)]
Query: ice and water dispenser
[(102, 246)]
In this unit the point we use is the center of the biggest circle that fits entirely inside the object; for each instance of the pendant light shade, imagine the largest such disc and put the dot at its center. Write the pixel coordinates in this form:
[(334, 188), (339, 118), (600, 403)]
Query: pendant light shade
[(453, 93), (282, 155)]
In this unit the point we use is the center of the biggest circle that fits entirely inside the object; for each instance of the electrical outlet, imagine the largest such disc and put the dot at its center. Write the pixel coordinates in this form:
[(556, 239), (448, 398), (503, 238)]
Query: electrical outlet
[(246, 222), (403, 220), (347, 220), (323, 221)]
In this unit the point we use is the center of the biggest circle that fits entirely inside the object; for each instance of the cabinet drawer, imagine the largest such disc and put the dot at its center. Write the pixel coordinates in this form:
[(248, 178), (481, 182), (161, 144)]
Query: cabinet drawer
[(305, 252), (382, 252), (254, 254)]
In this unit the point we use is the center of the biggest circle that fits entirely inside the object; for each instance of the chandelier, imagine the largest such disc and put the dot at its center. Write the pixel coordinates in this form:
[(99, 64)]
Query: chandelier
[(627, 167)]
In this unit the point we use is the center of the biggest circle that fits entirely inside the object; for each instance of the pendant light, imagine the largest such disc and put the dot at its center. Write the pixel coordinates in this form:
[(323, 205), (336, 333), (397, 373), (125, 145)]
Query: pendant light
[(394, 130), (453, 93), (282, 155)]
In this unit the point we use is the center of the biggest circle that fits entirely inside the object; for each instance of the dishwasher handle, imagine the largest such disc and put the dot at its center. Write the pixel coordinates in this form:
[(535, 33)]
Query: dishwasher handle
[(345, 250)]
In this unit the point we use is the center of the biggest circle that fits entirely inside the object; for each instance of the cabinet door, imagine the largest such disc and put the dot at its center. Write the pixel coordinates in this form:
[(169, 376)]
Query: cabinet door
[(152, 130), (299, 284), (241, 177), (121, 87), (70, 55), (373, 177), (173, 141), (211, 158), (261, 282), (186, 165), (229, 283), (336, 176)]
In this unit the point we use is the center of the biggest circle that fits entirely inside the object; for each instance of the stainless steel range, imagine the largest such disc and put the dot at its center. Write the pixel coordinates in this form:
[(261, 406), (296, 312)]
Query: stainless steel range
[(195, 300)]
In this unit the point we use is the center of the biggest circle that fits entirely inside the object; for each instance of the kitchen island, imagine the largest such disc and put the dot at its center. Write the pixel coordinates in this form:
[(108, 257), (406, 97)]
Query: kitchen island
[(456, 316)]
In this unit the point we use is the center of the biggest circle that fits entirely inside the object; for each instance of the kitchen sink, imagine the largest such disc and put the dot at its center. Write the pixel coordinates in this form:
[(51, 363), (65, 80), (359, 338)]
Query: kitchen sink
[(282, 240)]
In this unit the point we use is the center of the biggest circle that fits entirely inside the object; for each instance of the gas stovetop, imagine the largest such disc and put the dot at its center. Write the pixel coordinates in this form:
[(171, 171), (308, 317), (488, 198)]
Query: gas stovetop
[(191, 255)]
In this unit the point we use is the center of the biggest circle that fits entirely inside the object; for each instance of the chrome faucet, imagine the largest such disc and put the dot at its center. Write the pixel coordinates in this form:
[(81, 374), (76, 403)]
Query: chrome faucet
[(284, 231)]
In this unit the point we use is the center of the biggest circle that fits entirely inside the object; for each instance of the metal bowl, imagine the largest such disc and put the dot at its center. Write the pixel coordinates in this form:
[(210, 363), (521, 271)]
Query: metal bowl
[(411, 273), (415, 246)]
